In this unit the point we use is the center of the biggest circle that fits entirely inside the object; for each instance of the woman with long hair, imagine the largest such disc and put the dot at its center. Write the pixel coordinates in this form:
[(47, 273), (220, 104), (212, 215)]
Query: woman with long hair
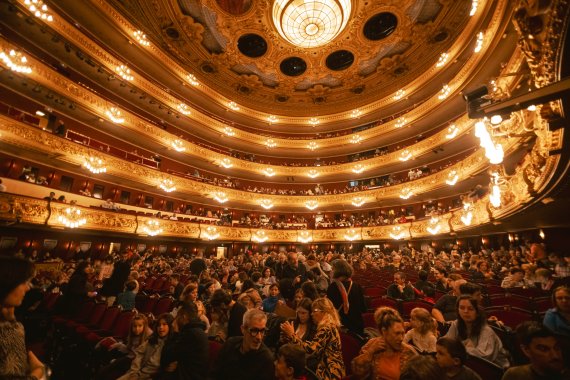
[(385, 356), (472, 329), (15, 360), (326, 345), (557, 319)]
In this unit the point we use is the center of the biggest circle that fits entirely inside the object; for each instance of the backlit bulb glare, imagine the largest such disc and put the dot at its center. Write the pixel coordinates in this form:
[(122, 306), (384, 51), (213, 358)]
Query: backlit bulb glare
[(531, 108), (191, 78), (355, 139), (124, 72), (15, 61), (444, 93), (221, 197), (313, 173), (178, 145), (272, 119), (442, 60), (233, 106), (228, 131), (211, 233), (452, 178), (399, 94), (351, 235), (474, 5), (467, 218), (269, 172), (141, 38), (496, 119), (115, 115), (314, 121), (266, 204), (226, 163), (358, 168), (406, 193), (305, 237), (405, 155), (451, 132), (357, 201), (495, 196), (260, 236), (401, 122), (397, 233), (311, 205), (167, 185), (184, 109), (355, 113), (479, 43), (270, 143), (313, 145)]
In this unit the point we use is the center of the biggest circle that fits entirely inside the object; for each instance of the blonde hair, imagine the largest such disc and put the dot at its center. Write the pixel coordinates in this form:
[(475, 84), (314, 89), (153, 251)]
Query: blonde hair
[(424, 317), (330, 315)]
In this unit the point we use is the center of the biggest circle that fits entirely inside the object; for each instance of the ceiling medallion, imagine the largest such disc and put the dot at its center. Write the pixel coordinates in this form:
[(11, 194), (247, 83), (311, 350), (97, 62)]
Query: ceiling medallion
[(310, 24)]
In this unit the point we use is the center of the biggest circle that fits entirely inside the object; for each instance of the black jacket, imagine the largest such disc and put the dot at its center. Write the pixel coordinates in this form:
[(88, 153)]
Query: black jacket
[(190, 348), (232, 364)]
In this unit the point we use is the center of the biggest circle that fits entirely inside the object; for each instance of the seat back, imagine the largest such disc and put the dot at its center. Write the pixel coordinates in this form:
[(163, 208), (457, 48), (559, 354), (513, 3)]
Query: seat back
[(350, 349), (122, 324), (214, 348), (511, 317), (109, 317), (378, 302), (140, 301), (97, 313), (164, 305), (408, 306), (85, 311), (374, 292), (149, 305), (369, 320), (484, 368)]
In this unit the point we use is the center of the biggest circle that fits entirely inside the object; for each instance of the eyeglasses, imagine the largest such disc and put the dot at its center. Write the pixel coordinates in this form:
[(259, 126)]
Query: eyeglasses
[(317, 311), (255, 332)]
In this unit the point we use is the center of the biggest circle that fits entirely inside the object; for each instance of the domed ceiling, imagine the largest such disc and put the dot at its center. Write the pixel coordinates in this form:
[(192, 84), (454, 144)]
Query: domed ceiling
[(236, 49)]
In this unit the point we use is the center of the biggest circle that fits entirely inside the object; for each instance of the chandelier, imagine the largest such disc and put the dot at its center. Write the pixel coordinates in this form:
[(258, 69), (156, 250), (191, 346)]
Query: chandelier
[(72, 217), (16, 61), (351, 235), (178, 145), (451, 132), (226, 163), (355, 139), (358, 168), (434, 226), (260, 236), (405, 155), (39, 9), (357, 201), (152, 227), (311, 205), (211, 233), (141, 38), (115, 115), (467, 215), (268, 172), (397, 233), (313, 145), (167, 185), (229, 131), (310, 23), (406, 193), (184, 109), (94, 165), (452, 178), (305, 236), (124, 72), (313, 173), (266, 204), (220, 196)]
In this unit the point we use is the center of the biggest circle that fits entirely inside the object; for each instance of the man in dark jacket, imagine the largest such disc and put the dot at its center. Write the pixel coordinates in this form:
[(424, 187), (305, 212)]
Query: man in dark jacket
[(293, 270), (246, 357), (186, 353)]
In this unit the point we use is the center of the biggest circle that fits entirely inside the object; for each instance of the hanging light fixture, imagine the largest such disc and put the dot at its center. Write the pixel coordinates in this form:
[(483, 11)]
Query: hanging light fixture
[(184, 109), (124, 72), (233, 106), (351, 235), (405, 155), (357, 201), (178, 145), (452, 178), (39, 9), (406, 193), (312, 204), (305, 236), (355, 139), (191, 78), (95, 165), (16, 61), (451, 132), (266, 204), (397, 233), (467, 215), (310, 23), (313, 173), (226, 163), (358, 168), (115, 115), (141, 38), (211, 233), (270, 143), (269, 172), (312, 145), (434, 226), (229, 131), (72, 218), (399, 94), (400, 122), (260, 236), (167, 185), (152, 227), (220, 196)]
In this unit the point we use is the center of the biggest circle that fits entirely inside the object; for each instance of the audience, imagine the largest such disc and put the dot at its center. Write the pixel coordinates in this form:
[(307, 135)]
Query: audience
[(451, 356), (557, 319), (422, 335)]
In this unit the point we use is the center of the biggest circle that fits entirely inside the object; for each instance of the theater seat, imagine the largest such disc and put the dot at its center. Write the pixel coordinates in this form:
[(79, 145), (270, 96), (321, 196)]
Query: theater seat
[(484, 368)]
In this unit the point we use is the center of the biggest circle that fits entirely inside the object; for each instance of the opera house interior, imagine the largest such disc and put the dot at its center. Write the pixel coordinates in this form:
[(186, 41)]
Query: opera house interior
[(232, 128)]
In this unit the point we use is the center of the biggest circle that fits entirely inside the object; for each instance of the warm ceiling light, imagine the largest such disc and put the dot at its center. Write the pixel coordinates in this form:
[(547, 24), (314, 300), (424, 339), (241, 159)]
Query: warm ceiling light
[(479, 42), (40, 113), (266, 204), (401, 122), (314, 121), (406, 193), (444, 93), (228, 131), (16, 61), (95, 165), (313, 173), (355, 113), (474, 5), (358, 168), (124, 72), (311, 205), (141, 38), (405, 155), (434, 226), (495, 195), (531, 108), (467, 216), (451, 132), (269, 172), (233, 106), (211, 233), (270, 143), (167, 185), (226, 163), (220, 196), (184, 109), (397, 233), (260, 236), (191, 78), (72, 218), (310, 23), (313, 145), (494, 152), (115, 115), (178, 145), (305, 236), (452, 178), (272, 119), (39, 9), (152, 227), (496, 119), (442, 60), (351, 235), (355, 139), (399, 94), (357, 201)]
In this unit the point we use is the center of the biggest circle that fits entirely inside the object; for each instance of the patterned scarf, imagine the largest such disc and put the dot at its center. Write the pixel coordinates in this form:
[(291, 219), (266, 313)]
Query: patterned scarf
[(343, 294)]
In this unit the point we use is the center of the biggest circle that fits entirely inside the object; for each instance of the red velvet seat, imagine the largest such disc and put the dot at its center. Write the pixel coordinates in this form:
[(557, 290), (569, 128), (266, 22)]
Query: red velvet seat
[(369, 320), (378, 302), (484, 368), (164, 305), (350, 349), (513, 301), (119, 330), (94, 318), (105, 323), (149, 305), (511, 317), (408, 306), (374, 292)]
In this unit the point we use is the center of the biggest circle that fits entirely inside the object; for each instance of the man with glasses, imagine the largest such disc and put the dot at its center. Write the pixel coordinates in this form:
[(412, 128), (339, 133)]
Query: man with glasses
[(246, 357)]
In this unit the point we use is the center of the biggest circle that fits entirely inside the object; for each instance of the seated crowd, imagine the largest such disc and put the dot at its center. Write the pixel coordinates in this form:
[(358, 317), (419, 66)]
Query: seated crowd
[(321, 315)]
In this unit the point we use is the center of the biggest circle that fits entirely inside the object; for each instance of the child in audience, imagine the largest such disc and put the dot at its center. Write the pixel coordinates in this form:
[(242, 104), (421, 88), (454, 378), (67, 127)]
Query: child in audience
[(450, 355), (126, 299), (270, 302), (422, 335), (146, 363)]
